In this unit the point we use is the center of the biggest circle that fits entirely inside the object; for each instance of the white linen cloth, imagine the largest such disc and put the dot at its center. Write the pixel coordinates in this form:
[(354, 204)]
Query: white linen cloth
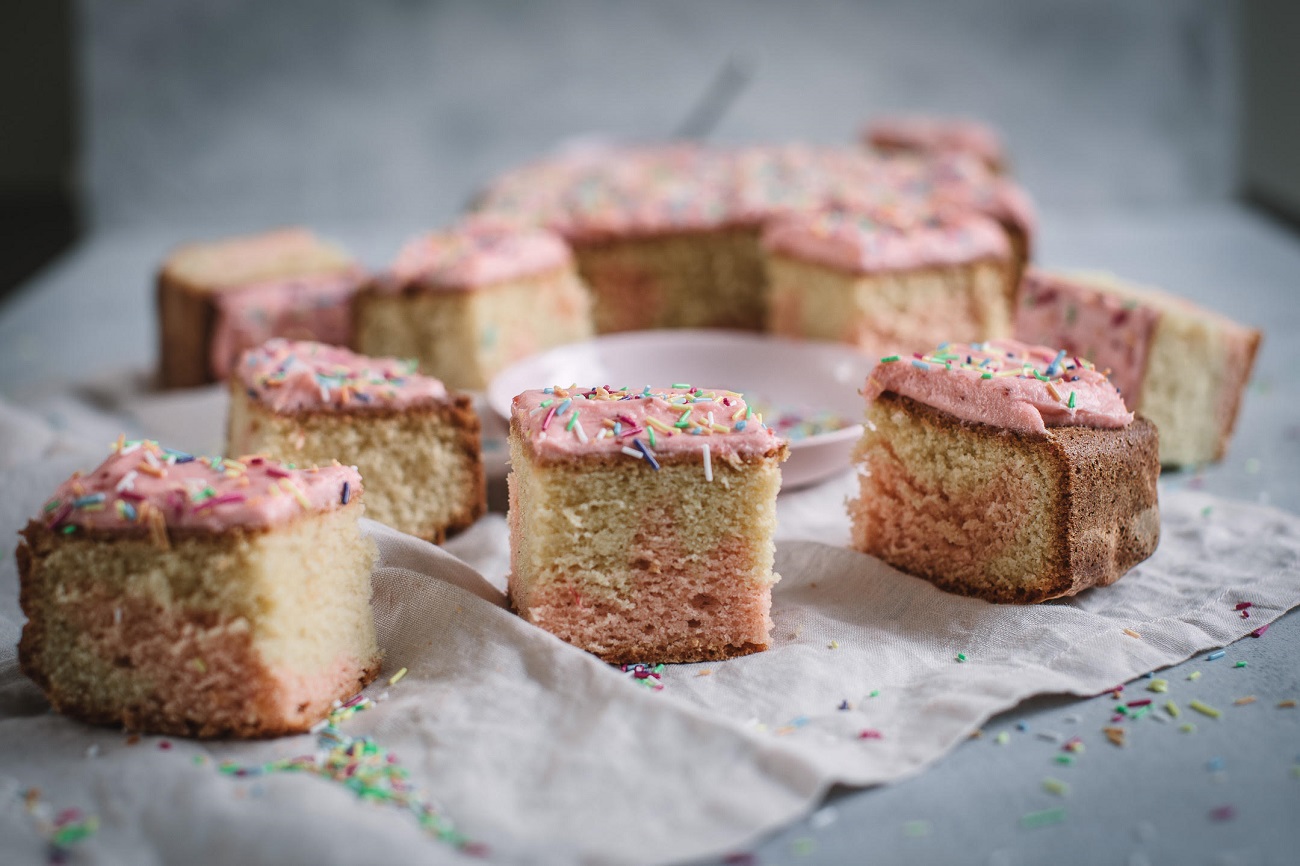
[(544, 754)]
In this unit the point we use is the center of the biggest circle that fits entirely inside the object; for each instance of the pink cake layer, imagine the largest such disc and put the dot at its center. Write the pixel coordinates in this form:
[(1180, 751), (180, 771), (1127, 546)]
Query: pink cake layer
[(288, 376), (477, 253), (1004, 383), (141, 483), (863, 243), (560, 423), (311, 307)]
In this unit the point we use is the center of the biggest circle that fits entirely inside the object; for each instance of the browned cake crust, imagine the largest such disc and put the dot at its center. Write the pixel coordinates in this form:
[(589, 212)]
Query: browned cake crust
[(187, 318), (1105, 518), (456, 412), (234, 696)]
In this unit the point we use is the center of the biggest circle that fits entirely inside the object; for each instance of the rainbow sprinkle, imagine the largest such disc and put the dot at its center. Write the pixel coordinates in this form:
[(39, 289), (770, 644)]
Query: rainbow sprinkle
[(63, 830), (370, 771), (650, 676)]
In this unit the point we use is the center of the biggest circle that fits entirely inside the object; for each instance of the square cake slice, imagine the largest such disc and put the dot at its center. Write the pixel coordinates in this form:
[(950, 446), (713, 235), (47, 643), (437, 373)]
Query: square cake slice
[(642, 522), (1182, 366), (217, 299), (469, 302), (417, 445), (198, 596), (1004, 471), (888, 283)]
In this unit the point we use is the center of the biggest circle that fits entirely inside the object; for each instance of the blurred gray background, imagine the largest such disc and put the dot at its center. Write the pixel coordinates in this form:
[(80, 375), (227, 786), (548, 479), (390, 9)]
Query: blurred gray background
[(257, 113)]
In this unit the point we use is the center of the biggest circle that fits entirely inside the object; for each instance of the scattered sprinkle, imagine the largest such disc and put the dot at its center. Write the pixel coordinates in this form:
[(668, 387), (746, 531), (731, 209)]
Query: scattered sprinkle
[(1045, 818), (1259, 632), (1223, 813), (63, 830), (1115, 735), (1159, 686), (1194, 676), (1216, 655), (1131, 633), (1205, 709), (1056, 786), (961, 657), (1248, 699), (1239, 665), (397, 677), (1002, 738), (370, 771), (650, 676)]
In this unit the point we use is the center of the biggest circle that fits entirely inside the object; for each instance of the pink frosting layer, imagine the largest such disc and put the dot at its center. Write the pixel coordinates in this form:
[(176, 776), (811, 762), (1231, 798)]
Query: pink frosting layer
[(1113, 331), (560, 422), (310, 307), (478, 253), (861, 243), (143, 484), (1004, 383), (643, 191), (287, 376), (936, 135)]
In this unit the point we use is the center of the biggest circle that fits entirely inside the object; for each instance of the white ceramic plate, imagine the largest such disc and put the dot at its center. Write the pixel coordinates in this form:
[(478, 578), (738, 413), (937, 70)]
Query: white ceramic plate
[(790, 379)]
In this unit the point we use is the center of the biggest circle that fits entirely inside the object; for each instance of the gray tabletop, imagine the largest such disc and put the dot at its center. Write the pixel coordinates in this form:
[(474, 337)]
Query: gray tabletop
[(1228, 792)]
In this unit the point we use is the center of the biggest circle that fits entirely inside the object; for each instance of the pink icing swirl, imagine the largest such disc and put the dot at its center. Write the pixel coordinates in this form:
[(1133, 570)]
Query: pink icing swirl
[(478, 253), (560, 422), (1004, 383), (287, 376), (863, 243), (145, 487)]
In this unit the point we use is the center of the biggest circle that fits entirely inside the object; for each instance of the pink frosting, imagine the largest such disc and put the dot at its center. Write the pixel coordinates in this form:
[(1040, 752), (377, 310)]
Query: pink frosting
[(936, 135), (309, 307), (1004, 383), (476, 254), (861, 243), (1113, 331), (563, 422), (143, 485), (287, 376), (645, 191)]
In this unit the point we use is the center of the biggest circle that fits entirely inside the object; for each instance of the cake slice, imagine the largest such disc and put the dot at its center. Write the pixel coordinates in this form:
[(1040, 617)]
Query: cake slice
[(888, 283), (934, 136), (217, 299), (1182, 366), (198, 596), (468, 302), (642, 522), (417, 444), (1005, 471)]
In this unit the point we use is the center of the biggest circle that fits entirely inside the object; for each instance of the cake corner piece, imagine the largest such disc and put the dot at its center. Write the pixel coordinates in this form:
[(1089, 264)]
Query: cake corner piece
[(156, 595), (1005, 471)]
